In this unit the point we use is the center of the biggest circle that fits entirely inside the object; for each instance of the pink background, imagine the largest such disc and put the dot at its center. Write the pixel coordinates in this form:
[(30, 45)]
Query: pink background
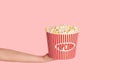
[(22, 24)]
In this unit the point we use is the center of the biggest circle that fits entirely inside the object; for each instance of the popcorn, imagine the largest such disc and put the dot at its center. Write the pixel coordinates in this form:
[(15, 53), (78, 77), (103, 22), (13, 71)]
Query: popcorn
[(62, 29)]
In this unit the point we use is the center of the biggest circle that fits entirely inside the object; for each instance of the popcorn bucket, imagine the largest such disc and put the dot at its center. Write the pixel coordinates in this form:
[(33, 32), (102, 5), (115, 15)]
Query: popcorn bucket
[(62, 46)]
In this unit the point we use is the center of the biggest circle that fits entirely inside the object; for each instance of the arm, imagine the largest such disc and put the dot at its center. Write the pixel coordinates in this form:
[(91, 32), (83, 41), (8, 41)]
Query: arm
[(17, 56)]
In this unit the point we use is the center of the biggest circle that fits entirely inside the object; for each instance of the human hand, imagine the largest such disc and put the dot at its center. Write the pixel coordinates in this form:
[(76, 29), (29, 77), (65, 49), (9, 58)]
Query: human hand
[(46, 58)]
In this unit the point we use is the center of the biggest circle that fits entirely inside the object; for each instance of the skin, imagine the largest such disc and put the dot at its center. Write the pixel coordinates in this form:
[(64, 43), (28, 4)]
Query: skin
[(17, 56)]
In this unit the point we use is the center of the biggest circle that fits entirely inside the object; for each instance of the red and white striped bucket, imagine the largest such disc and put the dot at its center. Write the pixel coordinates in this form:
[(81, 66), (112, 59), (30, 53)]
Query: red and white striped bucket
[(62, 46)]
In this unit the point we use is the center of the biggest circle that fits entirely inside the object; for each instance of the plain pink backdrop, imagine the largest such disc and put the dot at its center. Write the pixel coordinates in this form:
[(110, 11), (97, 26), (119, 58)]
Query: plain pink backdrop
[(22, 24)]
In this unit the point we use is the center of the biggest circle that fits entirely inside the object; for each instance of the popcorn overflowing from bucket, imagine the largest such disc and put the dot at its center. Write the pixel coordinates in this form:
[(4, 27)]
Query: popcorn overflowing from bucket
[(62, 29), (62, 45)]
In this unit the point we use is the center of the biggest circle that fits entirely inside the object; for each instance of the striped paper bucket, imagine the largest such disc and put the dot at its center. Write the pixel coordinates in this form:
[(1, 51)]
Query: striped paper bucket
[(62, 46)]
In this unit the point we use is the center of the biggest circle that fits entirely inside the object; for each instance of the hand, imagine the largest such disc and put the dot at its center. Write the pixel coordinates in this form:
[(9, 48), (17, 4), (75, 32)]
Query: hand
[(46, 58)]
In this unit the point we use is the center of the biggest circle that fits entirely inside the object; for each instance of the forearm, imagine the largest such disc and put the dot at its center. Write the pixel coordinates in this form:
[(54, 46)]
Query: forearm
[(12, 55)]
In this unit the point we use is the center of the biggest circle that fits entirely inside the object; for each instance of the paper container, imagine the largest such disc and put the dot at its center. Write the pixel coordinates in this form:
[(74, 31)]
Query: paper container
[(62, 46)]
